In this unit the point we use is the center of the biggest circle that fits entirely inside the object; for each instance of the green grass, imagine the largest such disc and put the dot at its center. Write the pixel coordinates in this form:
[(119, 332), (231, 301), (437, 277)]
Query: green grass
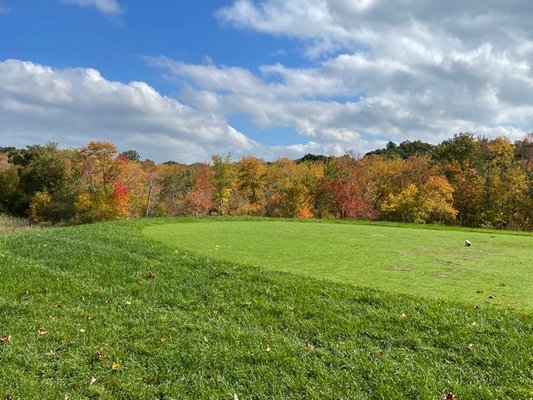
[(434, 263), (200, 328)]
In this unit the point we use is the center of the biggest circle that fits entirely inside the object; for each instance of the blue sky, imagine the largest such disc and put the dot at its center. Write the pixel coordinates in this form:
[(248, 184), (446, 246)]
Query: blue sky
[(62, 35), (182, 80)]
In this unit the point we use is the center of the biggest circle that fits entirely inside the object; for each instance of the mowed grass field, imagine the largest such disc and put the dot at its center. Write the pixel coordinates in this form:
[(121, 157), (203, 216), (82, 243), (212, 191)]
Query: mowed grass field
[(103, 311), (496, 269)]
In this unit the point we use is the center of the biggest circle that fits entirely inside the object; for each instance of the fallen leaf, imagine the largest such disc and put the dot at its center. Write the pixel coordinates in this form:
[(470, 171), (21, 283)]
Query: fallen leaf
[(403, 316), (41, 331), (128, 303), (6, 338), (450, 396), (474, 323), (82, 330), (162, 340), (309, 346), (471, 346), (115, 366), (235, 397), (94, 380), (100, 356), (56, 305), (150, 275), (108, 301), (381, 352), (205, 340)]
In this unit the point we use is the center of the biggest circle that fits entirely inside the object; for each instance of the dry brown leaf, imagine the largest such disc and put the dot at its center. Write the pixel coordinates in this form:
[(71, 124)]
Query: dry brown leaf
[(309, 346), (5, 339), (56, 305), (41, 331), (100, 356), (115, 366), (450, 396), (51, 353), (150, 275)]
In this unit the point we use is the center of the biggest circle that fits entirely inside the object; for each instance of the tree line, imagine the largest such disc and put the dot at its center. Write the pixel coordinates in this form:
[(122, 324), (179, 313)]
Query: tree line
[(466, 180)]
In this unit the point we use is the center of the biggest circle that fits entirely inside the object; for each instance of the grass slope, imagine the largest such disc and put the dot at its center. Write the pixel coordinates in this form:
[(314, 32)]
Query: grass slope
[(424, 262), (76, 302)]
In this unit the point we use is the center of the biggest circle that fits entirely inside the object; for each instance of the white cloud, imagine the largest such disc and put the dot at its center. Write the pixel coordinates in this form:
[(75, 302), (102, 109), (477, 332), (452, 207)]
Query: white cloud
[(75, 105), (105, 6), (382, 70), (403, 70), (329, 24)]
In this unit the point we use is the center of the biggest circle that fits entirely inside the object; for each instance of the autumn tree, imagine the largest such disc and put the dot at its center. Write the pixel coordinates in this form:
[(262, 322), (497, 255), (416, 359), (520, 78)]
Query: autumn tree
[(176, 183), (45, 170), (9, 184), (504, 184), (248, 196), (101, 170), (429, 202), (341, 191), (201, 198), (223, 178), (456, 159), (288, 188)]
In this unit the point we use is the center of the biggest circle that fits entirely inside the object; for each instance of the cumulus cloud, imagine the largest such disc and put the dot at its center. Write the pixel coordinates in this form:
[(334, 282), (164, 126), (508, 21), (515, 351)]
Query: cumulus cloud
[(373, 71), (105, 6), (395, 71), (74, 105)]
